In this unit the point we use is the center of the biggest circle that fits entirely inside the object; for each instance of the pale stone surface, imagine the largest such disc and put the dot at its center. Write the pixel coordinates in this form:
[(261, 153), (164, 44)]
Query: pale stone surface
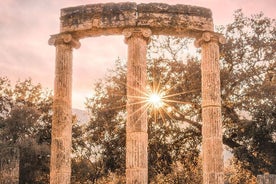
[(266, 179), (211, 109), (137, 23), (62, 110), (113, 18), (136, 126)]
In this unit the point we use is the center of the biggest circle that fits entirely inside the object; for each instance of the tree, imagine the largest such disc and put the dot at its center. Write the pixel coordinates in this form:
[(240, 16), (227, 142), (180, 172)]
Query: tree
[(234, 173), (172, 140), (25, 123), (85, 166), (248, 103)]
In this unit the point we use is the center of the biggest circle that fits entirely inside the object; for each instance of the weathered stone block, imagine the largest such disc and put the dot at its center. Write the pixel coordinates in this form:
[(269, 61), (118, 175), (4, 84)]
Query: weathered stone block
[(98, 16), (112, 18), (174, 19), (266, 179), (137, 143)]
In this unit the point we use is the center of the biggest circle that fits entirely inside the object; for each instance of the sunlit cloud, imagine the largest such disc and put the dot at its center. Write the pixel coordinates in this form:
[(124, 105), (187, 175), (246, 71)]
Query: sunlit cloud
[(25, 26)]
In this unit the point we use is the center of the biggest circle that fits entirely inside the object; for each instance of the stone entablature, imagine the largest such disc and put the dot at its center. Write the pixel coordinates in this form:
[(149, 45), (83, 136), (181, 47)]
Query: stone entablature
[(113, 18)]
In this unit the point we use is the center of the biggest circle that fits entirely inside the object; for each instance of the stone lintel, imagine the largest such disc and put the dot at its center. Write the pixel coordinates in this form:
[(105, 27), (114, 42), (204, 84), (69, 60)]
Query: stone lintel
[(112, 18)]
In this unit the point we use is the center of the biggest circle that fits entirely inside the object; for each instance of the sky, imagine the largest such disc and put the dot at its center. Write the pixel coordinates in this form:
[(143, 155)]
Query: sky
[(26, 26)]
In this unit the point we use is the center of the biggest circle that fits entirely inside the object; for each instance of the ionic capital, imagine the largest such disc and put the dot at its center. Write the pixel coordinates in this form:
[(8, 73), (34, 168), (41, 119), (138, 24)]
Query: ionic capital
[(64, 39), (143, 33), (210, 37)]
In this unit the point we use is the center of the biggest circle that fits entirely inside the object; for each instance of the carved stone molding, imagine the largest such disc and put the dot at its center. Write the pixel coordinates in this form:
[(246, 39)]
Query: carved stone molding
[(64, 39), (210, 37), (143, 33)]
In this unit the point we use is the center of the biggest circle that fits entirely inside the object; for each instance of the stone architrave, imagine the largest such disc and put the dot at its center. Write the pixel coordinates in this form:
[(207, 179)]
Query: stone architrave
[(137, 22), (62, 109), (136, 125), (211, 108)]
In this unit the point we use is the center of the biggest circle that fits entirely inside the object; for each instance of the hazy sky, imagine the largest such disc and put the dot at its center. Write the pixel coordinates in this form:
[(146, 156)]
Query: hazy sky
[(25, 26)]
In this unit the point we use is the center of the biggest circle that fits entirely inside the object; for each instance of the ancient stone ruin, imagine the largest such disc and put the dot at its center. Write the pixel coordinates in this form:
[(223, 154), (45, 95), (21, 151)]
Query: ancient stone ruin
[(137, 22), (266, 179)]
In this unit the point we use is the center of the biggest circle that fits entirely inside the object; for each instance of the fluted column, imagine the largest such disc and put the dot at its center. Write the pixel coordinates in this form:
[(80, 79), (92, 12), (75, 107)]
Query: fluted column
[(211, 108), (60, 168), (136, 126)]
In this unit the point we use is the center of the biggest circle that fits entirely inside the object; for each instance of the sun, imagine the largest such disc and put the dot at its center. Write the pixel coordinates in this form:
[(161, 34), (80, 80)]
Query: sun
[(156, 100)]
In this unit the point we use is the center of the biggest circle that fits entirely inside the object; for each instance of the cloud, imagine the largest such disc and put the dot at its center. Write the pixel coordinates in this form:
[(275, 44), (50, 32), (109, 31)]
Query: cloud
[(24, 32), (25, 26)]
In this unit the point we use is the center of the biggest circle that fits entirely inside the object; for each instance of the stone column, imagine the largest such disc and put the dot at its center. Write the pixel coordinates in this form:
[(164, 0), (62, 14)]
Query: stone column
[(136, 126), (211, 108), (60, 168)]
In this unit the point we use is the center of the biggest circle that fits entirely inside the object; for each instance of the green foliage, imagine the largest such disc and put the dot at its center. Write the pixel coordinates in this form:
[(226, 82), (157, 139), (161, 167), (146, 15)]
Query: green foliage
[(234, 173), (172, 139), (34, 162), (25, 123), (86, 171), (249, 104), (248, 111)]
